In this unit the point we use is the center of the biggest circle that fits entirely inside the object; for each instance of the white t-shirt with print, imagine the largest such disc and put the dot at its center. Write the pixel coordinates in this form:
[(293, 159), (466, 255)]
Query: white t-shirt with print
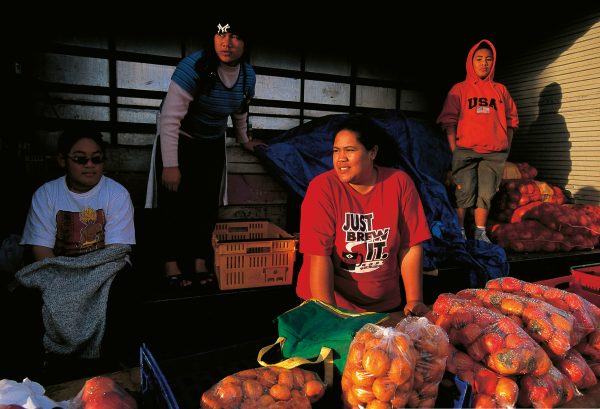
[(86, 221)]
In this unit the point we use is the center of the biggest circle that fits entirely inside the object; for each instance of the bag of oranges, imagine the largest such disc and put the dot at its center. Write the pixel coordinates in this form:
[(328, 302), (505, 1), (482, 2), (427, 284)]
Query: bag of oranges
[(265, 387), (380, 369), (432, 346)]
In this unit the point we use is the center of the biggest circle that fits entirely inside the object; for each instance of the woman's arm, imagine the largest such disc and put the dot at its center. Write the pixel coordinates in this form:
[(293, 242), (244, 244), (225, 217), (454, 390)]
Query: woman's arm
[(321, 278), (411, 268), (174, 109), (240, 125)]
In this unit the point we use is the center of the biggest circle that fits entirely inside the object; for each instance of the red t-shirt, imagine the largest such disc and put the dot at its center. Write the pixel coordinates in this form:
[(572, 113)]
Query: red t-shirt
[(364, 233)]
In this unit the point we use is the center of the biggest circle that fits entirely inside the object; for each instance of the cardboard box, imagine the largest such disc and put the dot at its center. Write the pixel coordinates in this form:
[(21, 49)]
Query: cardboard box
[(254, 253)]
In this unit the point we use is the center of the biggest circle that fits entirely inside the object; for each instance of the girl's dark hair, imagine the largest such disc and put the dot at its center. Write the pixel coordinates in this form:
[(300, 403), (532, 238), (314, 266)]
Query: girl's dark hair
[(206, 67), (370, 135), (484, 45), (73, 134)]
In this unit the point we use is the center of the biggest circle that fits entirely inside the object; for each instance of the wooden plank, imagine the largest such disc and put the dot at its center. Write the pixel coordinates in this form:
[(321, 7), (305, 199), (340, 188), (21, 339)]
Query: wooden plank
[(254, 189)]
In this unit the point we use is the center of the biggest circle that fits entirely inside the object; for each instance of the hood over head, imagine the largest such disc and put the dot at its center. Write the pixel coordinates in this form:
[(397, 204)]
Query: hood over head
[(471, 75)]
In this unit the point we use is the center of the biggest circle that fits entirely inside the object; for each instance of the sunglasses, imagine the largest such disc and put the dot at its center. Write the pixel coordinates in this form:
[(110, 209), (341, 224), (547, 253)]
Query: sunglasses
[(83, 160)]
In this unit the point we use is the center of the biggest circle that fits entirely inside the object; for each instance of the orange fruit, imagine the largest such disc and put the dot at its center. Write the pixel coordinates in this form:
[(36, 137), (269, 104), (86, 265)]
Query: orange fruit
[(468, 377), (346, 382), (309, 375), (298, 378), (400, 399), (355, 353), (540, 329), (559, 343), (574, 302), (552, 293), (247, 373), (469, 333), (97, 386), (362, 378), (513, 341), (429, 390), (511, 306), (314, 390), (252, 389), (461, 318), (562, 320), (265, 400), (384, 389), (229, 394), (506, 326), (286, 378), (209, 400), (377, 404), (281, 392), (249, 404), (376, 362), (485, 381), (504, 362), (492, 342), (462, 362), (506, 392), (511, 284), (495, 284), (400, 370), (483, 401), (413, 400), (403, 343), (542, 363), (570, 368), (232, 379), (427, 403), (476, 350), (534, 290), (364, 395), (266, 377)]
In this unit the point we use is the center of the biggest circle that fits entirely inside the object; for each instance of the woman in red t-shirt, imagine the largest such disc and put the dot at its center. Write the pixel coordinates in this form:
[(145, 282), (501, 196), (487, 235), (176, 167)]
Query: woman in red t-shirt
[(361, 227)]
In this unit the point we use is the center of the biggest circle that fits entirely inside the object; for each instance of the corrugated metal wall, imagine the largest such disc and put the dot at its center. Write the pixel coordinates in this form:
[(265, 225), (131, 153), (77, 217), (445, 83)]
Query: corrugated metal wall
[(556, 85)]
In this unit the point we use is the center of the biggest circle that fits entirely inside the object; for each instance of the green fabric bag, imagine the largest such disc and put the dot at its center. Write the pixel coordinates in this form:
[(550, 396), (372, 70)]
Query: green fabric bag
[(316, 332)]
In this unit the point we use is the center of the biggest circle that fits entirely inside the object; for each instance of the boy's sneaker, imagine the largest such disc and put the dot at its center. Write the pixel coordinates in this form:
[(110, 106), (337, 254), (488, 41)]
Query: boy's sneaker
[(481, 236)]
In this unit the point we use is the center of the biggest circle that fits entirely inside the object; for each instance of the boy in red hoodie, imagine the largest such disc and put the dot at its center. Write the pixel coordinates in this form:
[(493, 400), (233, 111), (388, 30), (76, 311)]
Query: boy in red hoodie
[(479, 117)]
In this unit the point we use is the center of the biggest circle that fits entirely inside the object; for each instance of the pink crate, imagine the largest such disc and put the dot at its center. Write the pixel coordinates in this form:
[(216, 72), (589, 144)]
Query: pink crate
[(588, 276), (568, 283)]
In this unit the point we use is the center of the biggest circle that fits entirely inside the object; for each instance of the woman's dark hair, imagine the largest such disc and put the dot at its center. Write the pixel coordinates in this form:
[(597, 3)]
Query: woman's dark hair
[(206, 67), (484, 45), (370, 135), (73, 134)]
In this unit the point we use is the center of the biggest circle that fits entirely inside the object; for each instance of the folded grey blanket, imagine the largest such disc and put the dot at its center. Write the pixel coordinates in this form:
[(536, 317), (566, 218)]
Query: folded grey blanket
[(75, 295)]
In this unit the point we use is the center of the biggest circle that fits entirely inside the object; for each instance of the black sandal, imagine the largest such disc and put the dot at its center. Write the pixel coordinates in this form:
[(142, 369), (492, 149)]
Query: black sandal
[(182, 280), (206, 277)]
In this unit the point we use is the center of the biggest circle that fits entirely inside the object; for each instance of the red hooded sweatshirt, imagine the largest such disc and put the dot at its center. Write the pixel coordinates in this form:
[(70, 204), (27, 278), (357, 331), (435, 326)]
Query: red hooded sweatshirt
[(481, 110)]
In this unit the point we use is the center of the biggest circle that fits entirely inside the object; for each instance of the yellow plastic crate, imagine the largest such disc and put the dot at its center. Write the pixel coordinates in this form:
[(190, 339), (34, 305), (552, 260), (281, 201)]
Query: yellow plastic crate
[(254, 253)]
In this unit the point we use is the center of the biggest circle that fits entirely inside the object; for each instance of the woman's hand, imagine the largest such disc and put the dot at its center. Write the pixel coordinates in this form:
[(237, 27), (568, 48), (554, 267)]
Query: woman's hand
[(252, 144), (171, 178), (415, 308)]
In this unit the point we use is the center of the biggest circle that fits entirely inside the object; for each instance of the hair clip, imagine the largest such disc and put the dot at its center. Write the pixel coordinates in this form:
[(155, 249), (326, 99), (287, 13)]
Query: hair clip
[(222, 29)]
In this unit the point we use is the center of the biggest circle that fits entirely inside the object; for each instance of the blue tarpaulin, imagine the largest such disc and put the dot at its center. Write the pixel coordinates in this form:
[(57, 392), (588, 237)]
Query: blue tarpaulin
[(301, 153)]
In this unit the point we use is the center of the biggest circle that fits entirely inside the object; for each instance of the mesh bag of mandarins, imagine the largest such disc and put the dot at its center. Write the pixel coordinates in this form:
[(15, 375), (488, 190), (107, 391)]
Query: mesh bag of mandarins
[(265, 387)]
